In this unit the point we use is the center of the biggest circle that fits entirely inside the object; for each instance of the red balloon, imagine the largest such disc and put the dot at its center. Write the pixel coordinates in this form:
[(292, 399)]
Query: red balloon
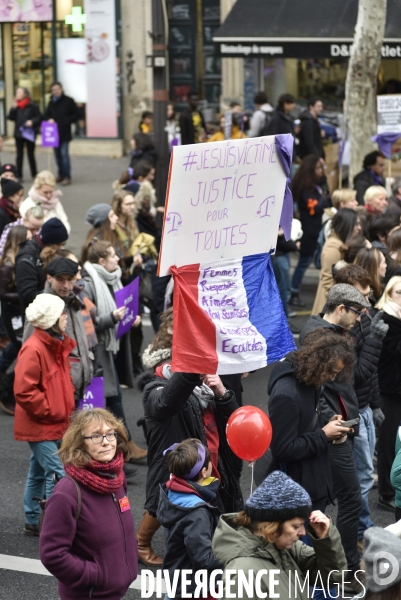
[(249, 432)]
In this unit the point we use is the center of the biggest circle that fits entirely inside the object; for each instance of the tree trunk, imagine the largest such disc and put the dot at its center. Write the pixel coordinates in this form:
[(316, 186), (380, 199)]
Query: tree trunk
[(361, 84)]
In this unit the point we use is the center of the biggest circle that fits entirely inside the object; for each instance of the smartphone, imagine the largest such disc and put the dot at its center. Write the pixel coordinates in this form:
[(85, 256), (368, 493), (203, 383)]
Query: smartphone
[(350, 423)]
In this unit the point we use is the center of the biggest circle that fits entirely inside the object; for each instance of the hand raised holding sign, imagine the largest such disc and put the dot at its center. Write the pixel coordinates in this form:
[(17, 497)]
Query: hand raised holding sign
[(215, 384)]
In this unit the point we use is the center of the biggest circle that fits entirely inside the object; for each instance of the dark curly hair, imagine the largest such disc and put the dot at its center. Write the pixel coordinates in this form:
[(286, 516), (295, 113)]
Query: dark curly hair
[(164, 337), (316, 362)]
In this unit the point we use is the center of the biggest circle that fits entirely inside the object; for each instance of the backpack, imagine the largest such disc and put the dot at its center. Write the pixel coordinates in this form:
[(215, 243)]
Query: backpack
[(268, 117), (42, 503)]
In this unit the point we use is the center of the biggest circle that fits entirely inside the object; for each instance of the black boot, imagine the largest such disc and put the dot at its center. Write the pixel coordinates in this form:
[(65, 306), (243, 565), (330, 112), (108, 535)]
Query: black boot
[(295, 299)]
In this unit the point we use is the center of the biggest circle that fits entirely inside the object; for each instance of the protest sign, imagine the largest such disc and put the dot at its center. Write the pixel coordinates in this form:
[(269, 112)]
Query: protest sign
[(94, 395), (28, 133), (50, 137), (230, 317), (389, 114), (128, 296), (226, 200)]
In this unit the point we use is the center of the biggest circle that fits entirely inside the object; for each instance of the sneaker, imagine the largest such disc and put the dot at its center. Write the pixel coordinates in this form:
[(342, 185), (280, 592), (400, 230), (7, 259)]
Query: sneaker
[(31, 529), (59, 179), (65, 181), (387, 504), (295, 300)]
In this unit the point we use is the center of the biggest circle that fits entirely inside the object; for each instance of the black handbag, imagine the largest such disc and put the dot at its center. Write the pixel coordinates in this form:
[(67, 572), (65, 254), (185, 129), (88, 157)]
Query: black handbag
[(266, 463)]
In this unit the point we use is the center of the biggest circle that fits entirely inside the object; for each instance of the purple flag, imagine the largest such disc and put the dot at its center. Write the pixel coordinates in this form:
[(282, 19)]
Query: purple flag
[(284, 148), (385, 142), (28, 133), (128, 296), (94, 395), (50, 137)]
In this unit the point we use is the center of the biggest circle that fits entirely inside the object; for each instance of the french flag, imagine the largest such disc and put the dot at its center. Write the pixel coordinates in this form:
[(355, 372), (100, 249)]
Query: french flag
[(228, 319)]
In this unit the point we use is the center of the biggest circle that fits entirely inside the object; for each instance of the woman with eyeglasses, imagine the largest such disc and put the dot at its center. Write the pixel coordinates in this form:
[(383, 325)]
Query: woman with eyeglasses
[(389, 373), (88, 540), (44, 394)]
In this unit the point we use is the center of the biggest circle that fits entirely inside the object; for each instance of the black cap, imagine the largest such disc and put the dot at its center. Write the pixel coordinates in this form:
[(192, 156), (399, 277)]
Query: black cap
[(62, 266), (9, 187), (8, 168)]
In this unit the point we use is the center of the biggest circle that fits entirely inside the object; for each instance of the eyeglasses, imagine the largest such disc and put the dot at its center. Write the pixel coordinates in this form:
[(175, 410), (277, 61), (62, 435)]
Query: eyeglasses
[(98, 438), (358, 313)]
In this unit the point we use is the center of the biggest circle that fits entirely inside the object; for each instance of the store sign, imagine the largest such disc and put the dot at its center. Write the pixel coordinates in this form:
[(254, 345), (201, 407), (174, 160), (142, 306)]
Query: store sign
[(389, 113), (28, 10), (298, 49), (100, 36)]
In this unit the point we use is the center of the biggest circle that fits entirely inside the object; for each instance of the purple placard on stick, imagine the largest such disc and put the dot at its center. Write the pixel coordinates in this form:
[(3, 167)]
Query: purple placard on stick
[(128, 297), (94, 395), (49, 131)]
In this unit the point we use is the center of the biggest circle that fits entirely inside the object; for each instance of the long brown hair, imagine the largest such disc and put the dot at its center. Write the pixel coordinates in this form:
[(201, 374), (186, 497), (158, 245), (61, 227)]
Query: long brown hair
[(116, 203), (270, 530), (95, 250), (103, 232), (394, 245), (305, 178), (15, 237), (369, 259), (164, 337)]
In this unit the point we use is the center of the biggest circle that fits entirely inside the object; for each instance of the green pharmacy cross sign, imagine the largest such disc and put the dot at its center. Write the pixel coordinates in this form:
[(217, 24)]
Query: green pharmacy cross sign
[(76, 19)]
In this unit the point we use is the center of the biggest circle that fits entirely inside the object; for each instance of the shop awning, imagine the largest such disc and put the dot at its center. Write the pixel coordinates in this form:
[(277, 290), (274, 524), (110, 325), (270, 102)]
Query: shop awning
[(299, 29)]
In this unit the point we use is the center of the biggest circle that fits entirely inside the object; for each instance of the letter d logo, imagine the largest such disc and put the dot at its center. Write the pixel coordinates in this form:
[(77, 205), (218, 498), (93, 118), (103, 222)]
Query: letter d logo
[(382, 572)]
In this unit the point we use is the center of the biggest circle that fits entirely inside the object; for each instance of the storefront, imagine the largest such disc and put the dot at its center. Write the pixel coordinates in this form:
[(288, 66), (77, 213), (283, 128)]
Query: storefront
[(301, 47), (73, 41)]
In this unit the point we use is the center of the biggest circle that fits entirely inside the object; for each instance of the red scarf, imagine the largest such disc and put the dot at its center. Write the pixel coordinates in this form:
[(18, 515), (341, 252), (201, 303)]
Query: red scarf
[(9, 207), (104, 478), (23, 103)]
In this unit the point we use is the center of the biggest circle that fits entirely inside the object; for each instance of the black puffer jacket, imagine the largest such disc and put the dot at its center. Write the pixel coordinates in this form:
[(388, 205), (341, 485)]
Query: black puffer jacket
[(292, 405), (310, 138), (21, 116), (173, 414), (30, 277), (65, 112), (338, 397), (389, 368), (368, 350)]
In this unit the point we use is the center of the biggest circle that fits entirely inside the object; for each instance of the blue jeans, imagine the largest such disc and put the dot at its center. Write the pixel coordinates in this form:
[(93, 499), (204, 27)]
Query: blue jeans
[(281, 267), (364, 447), (303, 263), (63, 160), (44, 462)]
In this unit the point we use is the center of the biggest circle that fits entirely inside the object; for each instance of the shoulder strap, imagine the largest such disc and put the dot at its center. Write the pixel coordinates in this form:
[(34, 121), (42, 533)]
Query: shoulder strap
[(78, 513), (312, 424)]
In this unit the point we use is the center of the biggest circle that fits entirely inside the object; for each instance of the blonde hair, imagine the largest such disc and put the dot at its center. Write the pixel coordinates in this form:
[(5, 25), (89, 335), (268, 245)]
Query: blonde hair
[(72, 451), (44, 178), (372, 192), (387, 291), (344, 195), (146, 190), (269, 530)]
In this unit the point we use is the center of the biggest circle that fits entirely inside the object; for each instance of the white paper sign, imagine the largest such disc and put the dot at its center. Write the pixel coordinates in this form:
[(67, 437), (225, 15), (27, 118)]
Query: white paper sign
[(224, 200), (389, 113)]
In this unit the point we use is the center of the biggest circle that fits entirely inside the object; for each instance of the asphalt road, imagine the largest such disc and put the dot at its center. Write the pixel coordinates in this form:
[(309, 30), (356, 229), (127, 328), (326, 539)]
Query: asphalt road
[(19, 579)]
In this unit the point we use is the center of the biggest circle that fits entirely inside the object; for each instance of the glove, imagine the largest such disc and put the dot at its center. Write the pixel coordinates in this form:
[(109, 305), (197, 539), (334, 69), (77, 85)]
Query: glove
[(378, 327), (378, 416)]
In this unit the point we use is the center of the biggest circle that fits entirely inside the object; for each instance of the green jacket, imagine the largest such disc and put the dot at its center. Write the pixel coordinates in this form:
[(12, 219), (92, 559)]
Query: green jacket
[(239, 550), (395, 475)]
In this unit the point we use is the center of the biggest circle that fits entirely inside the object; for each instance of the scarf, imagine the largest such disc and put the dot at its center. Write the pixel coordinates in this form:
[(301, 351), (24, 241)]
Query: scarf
[(47, 204), (104, 478), (23, 103), (202, 392), (9, 207), (376, 178), (391, 308), (104, 299), (152, 358)]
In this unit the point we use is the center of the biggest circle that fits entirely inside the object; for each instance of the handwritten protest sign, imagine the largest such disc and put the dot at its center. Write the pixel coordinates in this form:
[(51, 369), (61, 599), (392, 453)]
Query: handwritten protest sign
[(128, 296), (94, 395), (229, 317), (225, 200)]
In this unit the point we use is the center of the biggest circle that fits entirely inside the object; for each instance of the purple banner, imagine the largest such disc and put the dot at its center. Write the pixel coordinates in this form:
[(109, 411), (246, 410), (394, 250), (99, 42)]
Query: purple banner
[(50, 138), (284, 147), (94, 395), (128, 297)]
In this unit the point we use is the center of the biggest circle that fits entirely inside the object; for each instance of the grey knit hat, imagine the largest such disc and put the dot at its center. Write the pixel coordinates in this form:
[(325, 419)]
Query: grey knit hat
[(98, 214), (382, 554), (278, 498), (343, 293)]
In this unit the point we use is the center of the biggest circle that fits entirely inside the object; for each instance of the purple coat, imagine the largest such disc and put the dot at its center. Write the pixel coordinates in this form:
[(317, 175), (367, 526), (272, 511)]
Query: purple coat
[(96, 557)]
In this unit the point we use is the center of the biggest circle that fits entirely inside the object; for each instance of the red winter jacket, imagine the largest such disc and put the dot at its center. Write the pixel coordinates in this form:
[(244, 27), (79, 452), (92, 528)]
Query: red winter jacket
[(43, 388)]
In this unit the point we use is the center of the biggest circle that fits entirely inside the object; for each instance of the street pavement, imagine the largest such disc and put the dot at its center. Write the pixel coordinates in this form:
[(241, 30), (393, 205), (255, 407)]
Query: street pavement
[(21, 579)]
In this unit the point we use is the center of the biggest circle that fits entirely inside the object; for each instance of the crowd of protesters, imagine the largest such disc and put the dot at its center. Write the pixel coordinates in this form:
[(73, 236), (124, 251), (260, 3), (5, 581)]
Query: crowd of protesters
[(334, 403)]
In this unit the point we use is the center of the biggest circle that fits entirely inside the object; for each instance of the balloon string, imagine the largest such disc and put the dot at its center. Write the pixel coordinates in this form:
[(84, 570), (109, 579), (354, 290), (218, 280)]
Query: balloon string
[(252, 465)]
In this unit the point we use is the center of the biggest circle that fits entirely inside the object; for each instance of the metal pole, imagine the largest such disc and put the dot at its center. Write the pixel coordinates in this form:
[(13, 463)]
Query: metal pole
[(160, 99)]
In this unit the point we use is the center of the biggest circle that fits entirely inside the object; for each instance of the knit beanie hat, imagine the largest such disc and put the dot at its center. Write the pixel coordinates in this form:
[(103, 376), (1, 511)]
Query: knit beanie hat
[(45, 310), (382, 555), (53, 232), (9, 187), (8, 168), (98, 214), (278, 498)]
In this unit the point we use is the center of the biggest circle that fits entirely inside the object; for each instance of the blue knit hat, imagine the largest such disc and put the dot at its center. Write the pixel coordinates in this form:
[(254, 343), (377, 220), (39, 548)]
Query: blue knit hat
[(278, 498)]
